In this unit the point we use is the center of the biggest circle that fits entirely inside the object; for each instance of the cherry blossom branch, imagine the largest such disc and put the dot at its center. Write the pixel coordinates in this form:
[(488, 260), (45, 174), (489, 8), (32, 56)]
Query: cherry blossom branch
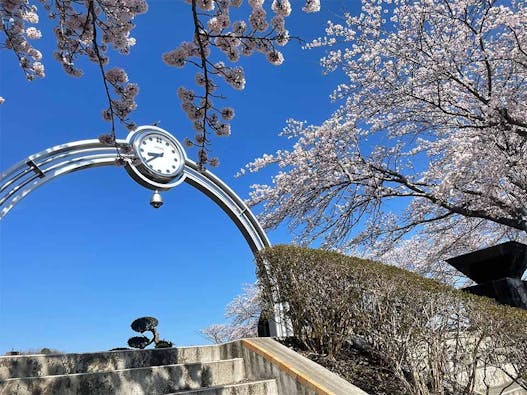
[(91, 12), (207, 85), (522, 126), (88, 29), (462, 209), (215, 31), (14, 16)]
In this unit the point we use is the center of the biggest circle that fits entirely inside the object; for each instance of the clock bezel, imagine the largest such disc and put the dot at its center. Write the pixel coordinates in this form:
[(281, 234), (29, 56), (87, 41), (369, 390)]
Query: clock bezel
[(143, 174), (137, 146)]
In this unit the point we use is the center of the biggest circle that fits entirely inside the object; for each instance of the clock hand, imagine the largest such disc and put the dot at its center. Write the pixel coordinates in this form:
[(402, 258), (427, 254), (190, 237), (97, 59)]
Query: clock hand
[(154, 155)]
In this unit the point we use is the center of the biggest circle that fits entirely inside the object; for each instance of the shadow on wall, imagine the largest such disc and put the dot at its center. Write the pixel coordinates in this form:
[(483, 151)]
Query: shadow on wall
[(152, 371)]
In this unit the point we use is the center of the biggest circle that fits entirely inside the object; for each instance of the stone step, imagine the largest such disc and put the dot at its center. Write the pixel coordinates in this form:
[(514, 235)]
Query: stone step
[(57, 364), (156, 380), (261, 387)]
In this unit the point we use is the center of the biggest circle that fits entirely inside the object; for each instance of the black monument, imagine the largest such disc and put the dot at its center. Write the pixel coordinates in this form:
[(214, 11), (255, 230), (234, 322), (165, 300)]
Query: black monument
[(497, 271)]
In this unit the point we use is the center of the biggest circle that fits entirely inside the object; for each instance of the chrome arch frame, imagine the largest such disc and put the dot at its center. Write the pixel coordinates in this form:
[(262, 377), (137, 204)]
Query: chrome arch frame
[(27, 175)]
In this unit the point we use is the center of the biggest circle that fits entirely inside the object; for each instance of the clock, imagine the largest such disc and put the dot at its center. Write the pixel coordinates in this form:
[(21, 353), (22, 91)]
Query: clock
[(159, 159), (158, 154)]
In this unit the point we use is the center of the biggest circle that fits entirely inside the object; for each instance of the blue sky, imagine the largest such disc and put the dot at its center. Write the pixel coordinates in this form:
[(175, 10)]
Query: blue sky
[(84, 255)]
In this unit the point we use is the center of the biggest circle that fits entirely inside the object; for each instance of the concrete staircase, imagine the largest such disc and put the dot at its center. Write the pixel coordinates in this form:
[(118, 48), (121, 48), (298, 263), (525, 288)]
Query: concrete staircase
[(188, 370), (259, 366)]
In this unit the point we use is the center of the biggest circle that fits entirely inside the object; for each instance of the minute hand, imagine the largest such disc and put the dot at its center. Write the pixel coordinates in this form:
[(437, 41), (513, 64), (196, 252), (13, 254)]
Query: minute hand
[(154, 155)]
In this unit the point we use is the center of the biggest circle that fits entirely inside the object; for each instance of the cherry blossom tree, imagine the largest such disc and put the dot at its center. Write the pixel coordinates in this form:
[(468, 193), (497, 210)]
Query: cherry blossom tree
[(242, 313), (427, 155), (92, 28)]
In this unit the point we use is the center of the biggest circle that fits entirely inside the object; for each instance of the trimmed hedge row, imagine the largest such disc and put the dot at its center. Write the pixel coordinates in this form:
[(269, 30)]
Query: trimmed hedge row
[(434, 338)]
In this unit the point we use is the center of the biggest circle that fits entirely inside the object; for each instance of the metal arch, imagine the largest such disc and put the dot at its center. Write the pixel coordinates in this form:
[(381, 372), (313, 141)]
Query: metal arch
[(24, 177), (29, 174), (229, 202)]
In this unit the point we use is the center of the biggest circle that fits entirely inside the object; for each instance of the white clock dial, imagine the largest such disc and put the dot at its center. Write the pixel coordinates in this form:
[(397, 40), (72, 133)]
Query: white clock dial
[(158, 160), (159, 154)]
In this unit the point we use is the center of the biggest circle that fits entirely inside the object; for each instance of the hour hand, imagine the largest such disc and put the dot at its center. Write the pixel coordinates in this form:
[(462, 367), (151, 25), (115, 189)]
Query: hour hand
[(154, 155)]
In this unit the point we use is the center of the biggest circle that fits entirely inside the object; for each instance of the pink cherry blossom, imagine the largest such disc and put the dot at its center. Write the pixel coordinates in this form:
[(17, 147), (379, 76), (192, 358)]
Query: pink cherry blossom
[(281, 7), (427, 155), (227, 113), (275, 57), (91, 28)]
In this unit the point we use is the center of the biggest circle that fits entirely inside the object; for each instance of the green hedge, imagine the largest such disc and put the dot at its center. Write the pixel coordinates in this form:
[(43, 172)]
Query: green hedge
[(434, 338)]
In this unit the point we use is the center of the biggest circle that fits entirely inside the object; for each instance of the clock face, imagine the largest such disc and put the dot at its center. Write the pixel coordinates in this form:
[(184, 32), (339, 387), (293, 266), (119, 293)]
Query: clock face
[(159, 154)]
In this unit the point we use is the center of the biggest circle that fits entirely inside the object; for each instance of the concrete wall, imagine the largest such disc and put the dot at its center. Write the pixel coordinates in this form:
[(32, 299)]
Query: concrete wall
[(266, 358), (159, 371)]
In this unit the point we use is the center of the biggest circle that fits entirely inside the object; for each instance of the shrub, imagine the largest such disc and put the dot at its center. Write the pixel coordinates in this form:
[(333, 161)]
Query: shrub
[(434, 338), (147, 324)]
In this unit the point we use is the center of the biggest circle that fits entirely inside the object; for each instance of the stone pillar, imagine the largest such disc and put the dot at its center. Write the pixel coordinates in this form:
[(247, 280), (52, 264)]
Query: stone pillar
[(497, 271)]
